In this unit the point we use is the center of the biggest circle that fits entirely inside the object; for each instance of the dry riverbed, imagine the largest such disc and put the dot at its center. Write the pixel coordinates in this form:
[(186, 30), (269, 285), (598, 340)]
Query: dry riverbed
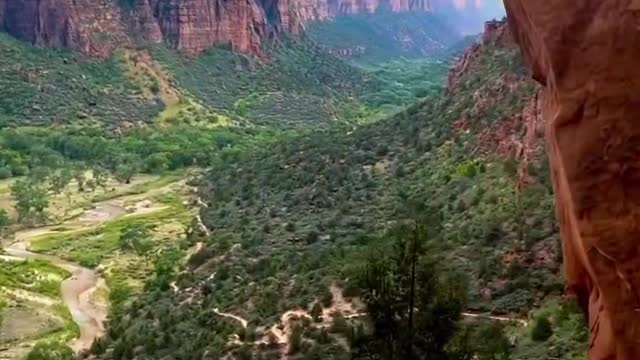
[(83, 294)]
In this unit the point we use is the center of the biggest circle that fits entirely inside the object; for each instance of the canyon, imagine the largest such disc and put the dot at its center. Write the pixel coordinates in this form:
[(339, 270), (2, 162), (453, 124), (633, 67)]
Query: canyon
[(97, 28), (285, 216)]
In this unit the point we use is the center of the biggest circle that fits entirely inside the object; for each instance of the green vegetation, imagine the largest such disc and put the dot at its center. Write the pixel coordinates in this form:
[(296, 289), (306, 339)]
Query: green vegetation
[(44, 153), (37, 276), (406, 81), (49, 350), (291, 219), (136, 237), (31, 200), (299, 86), (49, 86), (557, 331), (395, 282), (31, 305), (383, 36), (100, 109), (90, 247), (4, 220), (480, 340), (542, 329), (308, 198)]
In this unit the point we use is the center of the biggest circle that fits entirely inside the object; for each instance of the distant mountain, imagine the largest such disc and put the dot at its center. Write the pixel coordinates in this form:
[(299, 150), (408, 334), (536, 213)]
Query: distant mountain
[(371, 38)]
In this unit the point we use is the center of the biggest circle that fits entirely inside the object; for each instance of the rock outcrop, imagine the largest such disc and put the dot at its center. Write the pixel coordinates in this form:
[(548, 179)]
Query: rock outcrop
[(495, 31), (195, 25), (586, 54)]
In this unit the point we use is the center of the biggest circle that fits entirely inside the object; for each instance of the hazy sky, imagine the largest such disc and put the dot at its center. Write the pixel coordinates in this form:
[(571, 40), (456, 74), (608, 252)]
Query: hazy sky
[(491, 8), (474, 13)]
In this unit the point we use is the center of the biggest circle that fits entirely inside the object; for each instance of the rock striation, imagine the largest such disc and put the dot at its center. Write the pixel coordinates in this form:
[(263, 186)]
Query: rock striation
[(97, 27), (93, 27), (585, 53)]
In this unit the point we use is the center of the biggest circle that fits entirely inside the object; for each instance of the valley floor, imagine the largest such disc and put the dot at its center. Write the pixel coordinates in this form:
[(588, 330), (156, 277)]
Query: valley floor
[(71, 263)]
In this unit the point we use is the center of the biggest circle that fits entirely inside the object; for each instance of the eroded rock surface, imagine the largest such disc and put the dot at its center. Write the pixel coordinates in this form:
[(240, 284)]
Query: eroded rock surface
[(98, 27), (93, 27), (586, 54)]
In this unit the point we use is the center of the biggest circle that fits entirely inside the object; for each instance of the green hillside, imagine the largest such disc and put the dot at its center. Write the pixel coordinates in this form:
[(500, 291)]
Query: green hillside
[(298, 85), (159, 102), (48, 86), (383, 36), (86, 143), (292, 222)]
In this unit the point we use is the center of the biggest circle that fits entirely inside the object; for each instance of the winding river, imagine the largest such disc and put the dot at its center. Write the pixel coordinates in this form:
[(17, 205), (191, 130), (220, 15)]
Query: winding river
[(77, 290)]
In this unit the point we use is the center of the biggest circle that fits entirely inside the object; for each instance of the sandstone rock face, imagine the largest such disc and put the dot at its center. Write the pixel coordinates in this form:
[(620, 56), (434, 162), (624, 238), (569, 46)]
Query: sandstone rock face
[(97, 27), (586, 54), (195, 25), (87, 25), (142, 22)]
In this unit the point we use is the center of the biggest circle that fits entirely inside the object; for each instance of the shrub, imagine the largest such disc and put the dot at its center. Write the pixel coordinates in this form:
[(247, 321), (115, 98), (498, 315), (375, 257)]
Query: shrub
[(155, 87), (156, 163), (51, 351), (515, 301), (5, 172), (4, 218), (290, 227), (316, 312), (340, 325), (295, 342), (542, 329), (466, 168), (327, 298)]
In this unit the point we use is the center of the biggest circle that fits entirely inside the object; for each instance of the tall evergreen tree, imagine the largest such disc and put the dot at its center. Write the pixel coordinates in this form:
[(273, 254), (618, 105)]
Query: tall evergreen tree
[(414, 305)]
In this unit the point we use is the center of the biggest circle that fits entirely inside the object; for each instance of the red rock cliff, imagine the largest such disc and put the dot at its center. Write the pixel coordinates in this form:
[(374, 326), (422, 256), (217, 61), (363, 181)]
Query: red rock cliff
[(97, 27), (195, 25), (586, 53), (87, 25)]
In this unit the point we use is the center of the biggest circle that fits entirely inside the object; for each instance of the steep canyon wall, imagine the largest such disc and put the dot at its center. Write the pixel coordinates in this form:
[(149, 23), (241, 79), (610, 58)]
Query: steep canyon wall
[(97, 27), (586, 53)]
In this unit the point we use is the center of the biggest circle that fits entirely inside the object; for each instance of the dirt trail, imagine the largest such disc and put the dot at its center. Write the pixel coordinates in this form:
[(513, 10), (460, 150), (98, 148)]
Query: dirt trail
[(11, 258), (282, 330), (242, 321), (522, 322), (201, 225)]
